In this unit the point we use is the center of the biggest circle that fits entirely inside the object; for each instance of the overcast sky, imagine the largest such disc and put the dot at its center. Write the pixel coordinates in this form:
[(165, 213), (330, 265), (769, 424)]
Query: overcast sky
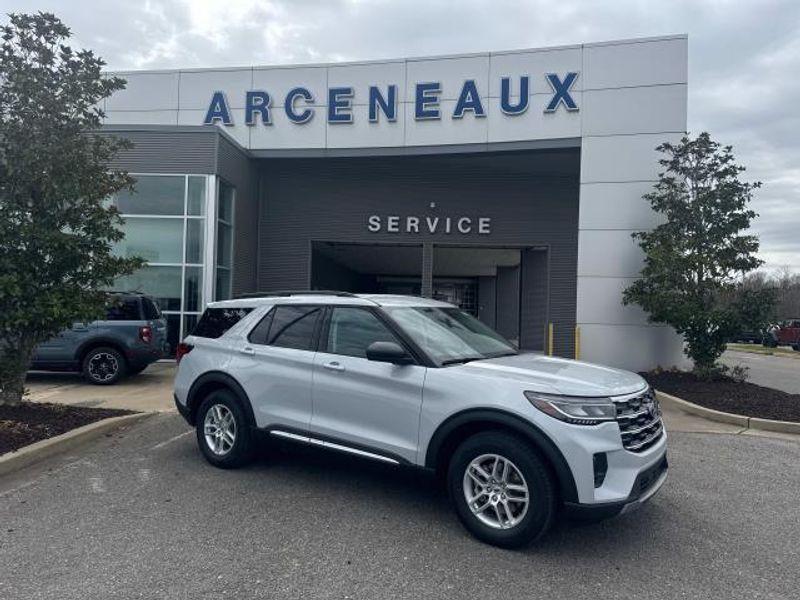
[(744, 57)]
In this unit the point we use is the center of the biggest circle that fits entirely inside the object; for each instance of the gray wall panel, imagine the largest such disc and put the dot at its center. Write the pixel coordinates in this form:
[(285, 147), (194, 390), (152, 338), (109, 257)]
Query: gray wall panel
[(531, 197), (533, 301), (508, 282), (167, 151)]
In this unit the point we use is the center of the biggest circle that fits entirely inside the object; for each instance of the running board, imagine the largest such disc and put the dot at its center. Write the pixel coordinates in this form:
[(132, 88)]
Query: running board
[(333, 446)]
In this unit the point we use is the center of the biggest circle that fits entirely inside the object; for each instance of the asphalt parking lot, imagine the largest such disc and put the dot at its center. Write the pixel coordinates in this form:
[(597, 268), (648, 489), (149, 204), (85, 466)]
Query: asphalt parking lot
[(779, 372), (141, 515)]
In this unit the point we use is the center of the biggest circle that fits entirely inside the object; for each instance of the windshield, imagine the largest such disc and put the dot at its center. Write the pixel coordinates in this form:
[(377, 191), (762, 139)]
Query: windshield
[(449, 335)]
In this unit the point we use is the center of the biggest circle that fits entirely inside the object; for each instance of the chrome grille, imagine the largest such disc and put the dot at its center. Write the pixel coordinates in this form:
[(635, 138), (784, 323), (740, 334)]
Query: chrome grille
[(639, 419)]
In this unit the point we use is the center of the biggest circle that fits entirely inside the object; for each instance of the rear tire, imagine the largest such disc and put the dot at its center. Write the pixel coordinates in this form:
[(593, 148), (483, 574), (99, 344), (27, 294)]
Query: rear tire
[(104, 366), (497, 470), (223, 431)]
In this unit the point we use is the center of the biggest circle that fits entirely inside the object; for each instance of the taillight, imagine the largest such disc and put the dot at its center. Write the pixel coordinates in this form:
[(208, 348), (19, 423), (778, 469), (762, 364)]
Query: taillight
[(146, 334), (181, 351)]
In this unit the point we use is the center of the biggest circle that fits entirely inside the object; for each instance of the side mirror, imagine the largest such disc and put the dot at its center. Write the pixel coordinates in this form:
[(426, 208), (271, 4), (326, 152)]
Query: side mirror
[(389, 352)]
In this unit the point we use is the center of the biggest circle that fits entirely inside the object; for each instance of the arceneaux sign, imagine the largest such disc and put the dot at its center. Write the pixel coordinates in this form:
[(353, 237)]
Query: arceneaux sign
[(384, 101)]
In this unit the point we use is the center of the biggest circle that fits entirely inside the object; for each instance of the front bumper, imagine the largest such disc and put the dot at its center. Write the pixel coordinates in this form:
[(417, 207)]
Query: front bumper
[(646, 485)]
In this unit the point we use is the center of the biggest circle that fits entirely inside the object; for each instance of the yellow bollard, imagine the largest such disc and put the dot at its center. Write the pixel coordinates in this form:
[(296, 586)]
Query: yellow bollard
[(550, 339), (577, 343)]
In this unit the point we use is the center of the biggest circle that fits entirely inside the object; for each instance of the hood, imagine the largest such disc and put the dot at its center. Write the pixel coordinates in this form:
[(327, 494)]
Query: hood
[(559, 376)]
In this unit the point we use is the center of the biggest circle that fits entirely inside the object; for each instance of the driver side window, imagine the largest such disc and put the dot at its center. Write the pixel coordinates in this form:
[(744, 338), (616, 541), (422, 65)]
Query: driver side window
[(352, 330)]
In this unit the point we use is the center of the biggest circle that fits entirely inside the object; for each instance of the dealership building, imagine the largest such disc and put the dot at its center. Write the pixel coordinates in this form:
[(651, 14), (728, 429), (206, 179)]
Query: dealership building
[(506, 182)]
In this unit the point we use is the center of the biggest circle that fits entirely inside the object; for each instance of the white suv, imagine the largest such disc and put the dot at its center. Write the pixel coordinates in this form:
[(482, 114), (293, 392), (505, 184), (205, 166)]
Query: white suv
[(411, 381)]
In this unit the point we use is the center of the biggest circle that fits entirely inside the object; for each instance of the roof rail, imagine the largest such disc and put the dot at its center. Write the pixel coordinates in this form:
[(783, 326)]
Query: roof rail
[(286, 293)]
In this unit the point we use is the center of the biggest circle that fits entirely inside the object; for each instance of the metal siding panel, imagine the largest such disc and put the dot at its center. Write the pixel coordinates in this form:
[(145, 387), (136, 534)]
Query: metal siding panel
[(166, 151), (531, 197), (533, 308)]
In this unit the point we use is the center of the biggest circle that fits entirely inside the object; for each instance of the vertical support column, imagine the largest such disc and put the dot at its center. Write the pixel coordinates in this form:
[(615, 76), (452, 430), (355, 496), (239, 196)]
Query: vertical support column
[(210, 248), (426, 289)]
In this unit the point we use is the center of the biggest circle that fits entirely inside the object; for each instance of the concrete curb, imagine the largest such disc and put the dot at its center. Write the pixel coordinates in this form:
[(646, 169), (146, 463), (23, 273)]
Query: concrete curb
[(730, 418), (13, 461)]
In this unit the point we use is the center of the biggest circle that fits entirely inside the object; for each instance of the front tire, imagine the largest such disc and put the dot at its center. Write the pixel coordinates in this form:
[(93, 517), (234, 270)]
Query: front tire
[(501, 489), (223, 432), (104, 366)]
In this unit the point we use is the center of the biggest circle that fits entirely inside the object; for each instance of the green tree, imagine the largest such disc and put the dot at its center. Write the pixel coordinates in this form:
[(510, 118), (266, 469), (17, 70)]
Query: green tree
[(56, 234), (695, 258)]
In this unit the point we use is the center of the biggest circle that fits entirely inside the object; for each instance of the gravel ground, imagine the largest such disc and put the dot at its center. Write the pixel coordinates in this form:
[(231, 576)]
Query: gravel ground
[(141, 515)]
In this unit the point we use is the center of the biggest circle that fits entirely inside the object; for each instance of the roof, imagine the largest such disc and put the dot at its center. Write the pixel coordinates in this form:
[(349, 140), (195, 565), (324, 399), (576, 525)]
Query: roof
[(330, 299)]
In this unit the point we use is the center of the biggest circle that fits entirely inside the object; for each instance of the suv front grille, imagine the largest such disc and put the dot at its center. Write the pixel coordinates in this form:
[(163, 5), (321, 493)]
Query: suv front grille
[(639, 419)]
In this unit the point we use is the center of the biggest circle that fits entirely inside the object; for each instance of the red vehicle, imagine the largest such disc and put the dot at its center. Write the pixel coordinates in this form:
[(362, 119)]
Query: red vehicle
[(785, 333)]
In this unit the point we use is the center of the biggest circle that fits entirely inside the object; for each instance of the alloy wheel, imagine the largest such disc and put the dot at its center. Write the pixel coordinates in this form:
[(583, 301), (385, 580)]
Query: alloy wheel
[(219, 428), (496, 491), (103, 366)]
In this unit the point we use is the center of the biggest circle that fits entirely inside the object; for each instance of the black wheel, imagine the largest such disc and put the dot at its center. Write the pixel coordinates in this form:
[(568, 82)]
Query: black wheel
[(104, 366), (501, 489), (223, 432)]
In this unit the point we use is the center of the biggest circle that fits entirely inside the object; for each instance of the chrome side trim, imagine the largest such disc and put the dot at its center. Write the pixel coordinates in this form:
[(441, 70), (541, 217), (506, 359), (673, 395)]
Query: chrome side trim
[(333, 446), (290, 436)]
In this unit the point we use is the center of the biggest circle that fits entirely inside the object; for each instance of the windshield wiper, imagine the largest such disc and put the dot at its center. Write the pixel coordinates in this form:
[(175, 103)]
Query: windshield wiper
[(462, 360)]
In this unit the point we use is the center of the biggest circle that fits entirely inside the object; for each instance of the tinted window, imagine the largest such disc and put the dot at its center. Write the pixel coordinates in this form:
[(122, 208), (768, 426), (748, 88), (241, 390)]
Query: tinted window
[(151, 311), (352, 330), (216, 321), (261, 331), (123, 309), (293, 326)]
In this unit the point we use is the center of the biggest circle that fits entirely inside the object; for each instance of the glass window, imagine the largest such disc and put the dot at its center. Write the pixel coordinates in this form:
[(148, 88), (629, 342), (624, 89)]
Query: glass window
[(450, 335), (352, 330), (162, 283), (151, 311), (123, 309), (223, 284), (193, 289), (216, 321), (196, 203), (225, 209), (155, 240), (194, 240), (293, 326), (224, 245), (173, 332), (153, 195), (259, 333)]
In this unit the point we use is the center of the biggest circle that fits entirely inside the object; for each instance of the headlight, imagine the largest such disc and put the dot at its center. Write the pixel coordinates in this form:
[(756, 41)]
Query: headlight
[(574, 409)]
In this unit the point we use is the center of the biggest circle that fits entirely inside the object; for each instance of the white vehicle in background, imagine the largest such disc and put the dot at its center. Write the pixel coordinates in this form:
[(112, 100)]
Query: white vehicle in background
[(411, 381)]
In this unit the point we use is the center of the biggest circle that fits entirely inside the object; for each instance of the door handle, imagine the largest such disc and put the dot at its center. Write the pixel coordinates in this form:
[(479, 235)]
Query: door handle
[(333, 366), (247, 350)]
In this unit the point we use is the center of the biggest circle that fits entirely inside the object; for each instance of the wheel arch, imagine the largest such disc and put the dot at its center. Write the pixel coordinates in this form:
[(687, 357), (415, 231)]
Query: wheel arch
[(211, 382), (101, 342), (460, 426)]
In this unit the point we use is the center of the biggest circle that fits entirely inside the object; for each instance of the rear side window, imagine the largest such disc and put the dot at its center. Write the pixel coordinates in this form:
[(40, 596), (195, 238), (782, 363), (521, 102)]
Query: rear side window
[(288, 327), (216, 321), (123, 309), (151, 311)]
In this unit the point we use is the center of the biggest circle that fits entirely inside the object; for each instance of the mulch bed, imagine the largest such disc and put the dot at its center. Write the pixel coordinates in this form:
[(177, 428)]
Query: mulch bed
[(31, 422), (728, 395)]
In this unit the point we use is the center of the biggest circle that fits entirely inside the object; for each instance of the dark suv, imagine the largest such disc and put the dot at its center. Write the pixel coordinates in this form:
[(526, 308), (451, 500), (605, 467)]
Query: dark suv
[(132, 335)]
